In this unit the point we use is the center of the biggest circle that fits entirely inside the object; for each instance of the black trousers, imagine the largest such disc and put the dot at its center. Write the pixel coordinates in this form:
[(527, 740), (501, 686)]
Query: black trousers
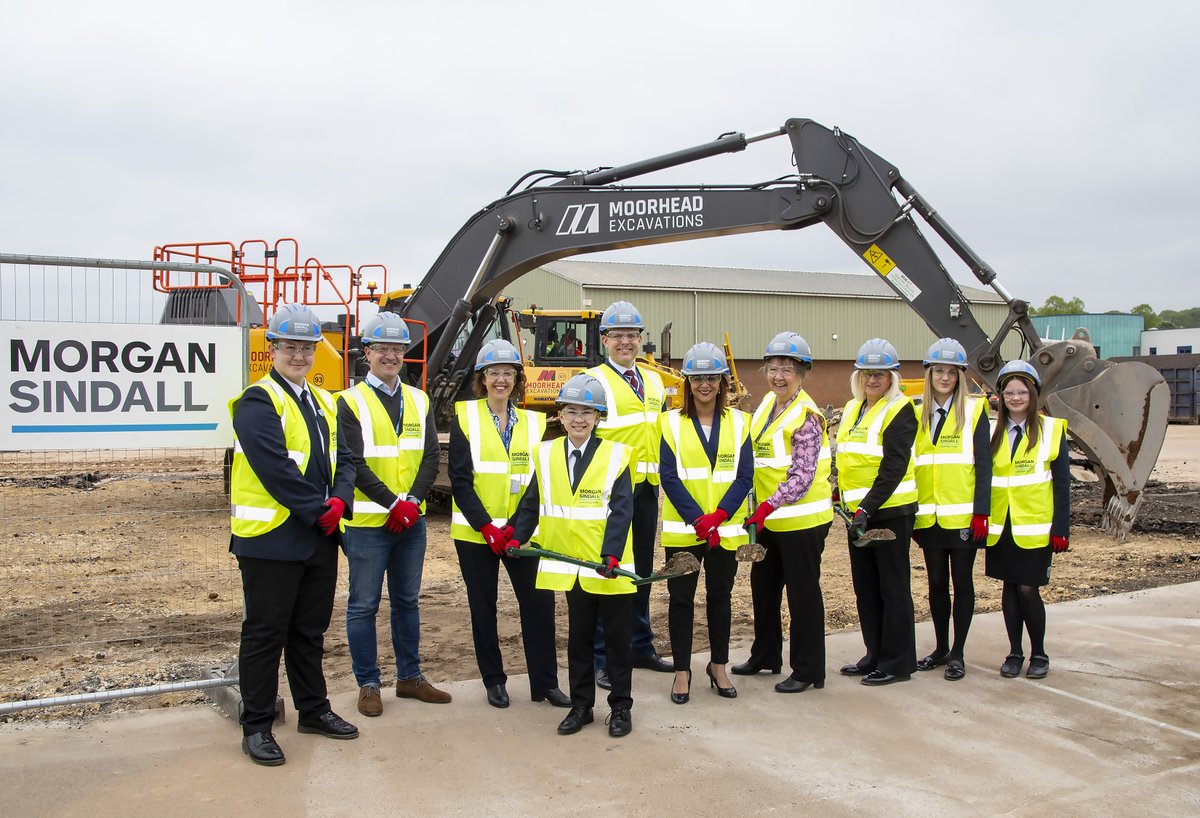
[(481, 573), (644, 529), (793, 560), (882, 590), (720, 569), (288, 605), (583, 611)]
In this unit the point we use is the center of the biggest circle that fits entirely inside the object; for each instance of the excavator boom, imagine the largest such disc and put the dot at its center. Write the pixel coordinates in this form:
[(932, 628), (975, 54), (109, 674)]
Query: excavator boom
[(1116, 413)]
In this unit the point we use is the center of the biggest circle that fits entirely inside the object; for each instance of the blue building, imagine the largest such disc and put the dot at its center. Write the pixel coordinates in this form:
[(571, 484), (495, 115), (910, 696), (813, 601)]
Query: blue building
[(1115, 335)]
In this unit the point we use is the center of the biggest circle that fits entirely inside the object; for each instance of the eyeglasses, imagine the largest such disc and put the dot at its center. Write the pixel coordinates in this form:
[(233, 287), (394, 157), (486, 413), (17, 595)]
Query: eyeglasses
[(874, 374), (705, 378), (944, 372), (301, 350), (631, 335), (773, 371), (578, 412), (1024, 393), (383, 350), (500, 374)]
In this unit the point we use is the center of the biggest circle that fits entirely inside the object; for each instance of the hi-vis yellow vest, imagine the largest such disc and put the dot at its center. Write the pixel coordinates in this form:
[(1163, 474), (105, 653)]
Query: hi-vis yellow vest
[(1023, 487), (500, 477), (860, 451), (773, 455), (630, 421), (706, 484), (573, 523), (946, 471), (253, 511), (394, 459)]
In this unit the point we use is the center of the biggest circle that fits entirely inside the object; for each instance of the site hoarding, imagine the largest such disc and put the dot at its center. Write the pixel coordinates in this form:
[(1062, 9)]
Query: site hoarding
[(70, 385)]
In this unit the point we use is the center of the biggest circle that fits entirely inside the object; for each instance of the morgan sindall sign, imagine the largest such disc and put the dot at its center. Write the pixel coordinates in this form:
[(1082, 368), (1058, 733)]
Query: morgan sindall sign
[(103, 386)]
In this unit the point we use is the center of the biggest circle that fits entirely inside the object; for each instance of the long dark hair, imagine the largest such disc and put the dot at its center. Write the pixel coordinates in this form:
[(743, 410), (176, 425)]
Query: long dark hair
[(1032, 419), (689, 402), (516, 396)]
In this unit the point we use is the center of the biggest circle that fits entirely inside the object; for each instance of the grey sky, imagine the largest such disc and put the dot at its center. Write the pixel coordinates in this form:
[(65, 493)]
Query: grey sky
[(1055, 137)]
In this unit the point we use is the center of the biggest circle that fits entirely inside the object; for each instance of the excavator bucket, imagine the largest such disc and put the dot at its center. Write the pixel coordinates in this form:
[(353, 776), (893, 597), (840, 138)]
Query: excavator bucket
[(1115, 412)]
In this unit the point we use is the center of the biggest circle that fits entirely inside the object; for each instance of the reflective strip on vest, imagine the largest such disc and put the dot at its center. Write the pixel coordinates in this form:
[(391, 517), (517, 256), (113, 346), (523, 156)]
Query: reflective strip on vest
[(630, 421), (859, 459), (252, 510), (770, 468), (574, 531), (497, 479), (1025, 501), (706, 485), (395, 459)]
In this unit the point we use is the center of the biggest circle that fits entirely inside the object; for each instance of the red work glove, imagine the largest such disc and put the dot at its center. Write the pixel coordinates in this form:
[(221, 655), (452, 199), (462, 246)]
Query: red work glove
[(979, 527), (759, 516), (610, 565), (510, 546), (837, 496), (706, 524), (495, 538), (714, 539), (403, 515), (509, 531), (328, 522), (859, 525), (1058, 543)]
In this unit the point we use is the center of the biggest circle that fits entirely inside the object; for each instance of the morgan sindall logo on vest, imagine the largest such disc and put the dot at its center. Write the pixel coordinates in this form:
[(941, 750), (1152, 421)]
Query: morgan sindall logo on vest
[(580, 219)]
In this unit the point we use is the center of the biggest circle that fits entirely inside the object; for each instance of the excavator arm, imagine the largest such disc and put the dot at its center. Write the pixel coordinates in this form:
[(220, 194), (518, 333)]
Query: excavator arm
[(1115, 412)]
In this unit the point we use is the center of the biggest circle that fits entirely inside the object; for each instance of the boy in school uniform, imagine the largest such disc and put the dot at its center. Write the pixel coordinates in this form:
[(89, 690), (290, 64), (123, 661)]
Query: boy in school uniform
[(580, 503)]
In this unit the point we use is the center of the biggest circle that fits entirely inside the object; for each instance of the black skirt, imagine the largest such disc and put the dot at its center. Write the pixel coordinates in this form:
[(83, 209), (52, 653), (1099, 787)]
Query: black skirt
[(1010, 562), (937, 537)]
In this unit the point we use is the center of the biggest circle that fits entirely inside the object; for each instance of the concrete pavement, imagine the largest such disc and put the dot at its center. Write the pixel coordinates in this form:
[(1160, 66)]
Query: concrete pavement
[(1114, 730)]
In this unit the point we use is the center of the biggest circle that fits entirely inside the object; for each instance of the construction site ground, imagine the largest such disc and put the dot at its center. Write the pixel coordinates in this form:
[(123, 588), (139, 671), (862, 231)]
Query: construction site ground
[(1119, 733)]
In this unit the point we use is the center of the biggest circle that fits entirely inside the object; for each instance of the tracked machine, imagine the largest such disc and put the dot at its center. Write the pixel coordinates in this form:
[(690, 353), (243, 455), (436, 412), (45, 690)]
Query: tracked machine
[(1116, 413)]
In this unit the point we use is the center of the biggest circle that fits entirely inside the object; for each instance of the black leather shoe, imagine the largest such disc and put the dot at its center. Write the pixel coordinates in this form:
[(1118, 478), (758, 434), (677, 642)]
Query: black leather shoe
[(328, 724), (497, 696), (752, 666), (724, 692), (1039, 666), (262, 749), (793, 685), (877, 678), (933, 660), (955, 670), (854, 670), (602, 680), (575, 720), (620, 723), (553, 695), (652, 661), (1012, 666)]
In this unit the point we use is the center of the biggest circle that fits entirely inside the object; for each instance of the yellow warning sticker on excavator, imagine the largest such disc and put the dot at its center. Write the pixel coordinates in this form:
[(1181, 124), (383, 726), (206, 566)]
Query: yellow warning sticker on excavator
[(879, 259)]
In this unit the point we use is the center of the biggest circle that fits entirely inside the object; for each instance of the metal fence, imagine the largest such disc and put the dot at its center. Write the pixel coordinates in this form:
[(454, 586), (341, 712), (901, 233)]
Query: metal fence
[(114, 569)]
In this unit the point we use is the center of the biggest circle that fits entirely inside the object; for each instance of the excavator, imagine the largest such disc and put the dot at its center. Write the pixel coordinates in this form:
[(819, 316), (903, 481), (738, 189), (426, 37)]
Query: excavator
[(1116, 412)]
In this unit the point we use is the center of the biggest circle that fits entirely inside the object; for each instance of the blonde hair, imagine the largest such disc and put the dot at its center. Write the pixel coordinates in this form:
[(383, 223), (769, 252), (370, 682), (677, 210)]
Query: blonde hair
[(958, 401), (856, 385)]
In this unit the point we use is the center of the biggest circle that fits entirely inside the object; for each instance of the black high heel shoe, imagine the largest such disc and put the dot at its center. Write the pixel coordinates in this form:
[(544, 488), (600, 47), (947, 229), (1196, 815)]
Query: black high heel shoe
[(682, 698), (725, 692)]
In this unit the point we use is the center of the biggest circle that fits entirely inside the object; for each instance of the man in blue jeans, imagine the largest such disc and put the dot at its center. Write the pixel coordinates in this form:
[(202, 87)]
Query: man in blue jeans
[(389, 428)]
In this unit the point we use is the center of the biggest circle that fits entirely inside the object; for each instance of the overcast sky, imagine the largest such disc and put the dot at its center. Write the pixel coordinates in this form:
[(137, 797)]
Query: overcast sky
[(1057, 138)]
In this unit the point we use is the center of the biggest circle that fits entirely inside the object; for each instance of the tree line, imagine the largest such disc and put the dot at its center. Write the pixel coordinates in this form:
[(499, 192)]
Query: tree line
[(1167, 319)]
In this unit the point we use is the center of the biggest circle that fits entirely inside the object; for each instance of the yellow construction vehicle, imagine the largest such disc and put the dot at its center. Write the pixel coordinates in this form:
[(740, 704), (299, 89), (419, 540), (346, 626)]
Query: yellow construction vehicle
[(562, 343)]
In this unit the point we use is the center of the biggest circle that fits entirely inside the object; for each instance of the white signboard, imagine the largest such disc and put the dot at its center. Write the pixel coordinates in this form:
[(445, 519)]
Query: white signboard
[(105, 386)]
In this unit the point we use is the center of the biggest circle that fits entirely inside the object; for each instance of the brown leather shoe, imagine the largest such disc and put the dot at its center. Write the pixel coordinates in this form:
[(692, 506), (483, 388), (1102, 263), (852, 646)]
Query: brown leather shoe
[(370, 703), (420, 688)]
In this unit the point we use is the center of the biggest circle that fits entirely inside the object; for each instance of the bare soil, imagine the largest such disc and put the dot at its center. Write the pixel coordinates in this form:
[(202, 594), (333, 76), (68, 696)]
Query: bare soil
[(115, 573)]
